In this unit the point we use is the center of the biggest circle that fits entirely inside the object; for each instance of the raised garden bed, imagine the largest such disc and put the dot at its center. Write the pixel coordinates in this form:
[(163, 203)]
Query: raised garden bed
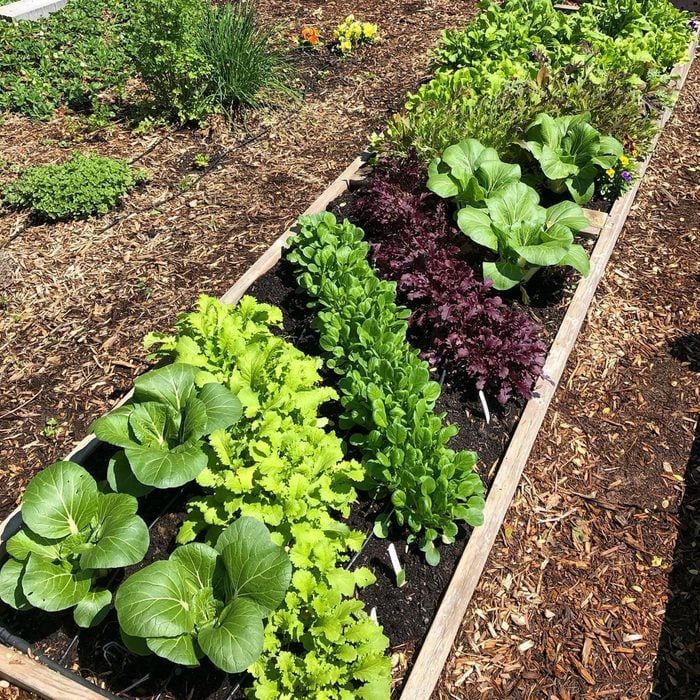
[(270, 280)]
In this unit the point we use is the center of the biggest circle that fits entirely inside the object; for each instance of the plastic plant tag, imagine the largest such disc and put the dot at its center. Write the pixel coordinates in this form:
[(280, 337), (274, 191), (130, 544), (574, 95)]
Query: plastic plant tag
[(485, 406), (396, 565)]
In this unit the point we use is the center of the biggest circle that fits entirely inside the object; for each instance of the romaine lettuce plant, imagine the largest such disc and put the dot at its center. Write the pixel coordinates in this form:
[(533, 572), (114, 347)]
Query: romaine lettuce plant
[(525, 235), (571, 153), (162, 429), (469, 173), (281, 466), (71, 534), (207, 600)]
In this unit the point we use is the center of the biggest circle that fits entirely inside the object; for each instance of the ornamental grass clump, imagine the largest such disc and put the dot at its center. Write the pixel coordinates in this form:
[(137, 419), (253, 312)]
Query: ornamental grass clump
[(84, 185), (462, 325)]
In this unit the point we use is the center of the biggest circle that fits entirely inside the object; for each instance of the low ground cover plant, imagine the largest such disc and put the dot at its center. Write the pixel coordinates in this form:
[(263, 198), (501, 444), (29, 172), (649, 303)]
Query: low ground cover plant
[(197, 58), (207, 601), (79, 57), (279, 465), (386, 390), (72, 534), (162, 429), (84, 185), (464, 327)]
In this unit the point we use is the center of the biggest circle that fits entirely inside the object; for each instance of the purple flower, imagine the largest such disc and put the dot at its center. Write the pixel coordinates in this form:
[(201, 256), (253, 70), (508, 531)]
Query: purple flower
[(693, 24), (626, 176)]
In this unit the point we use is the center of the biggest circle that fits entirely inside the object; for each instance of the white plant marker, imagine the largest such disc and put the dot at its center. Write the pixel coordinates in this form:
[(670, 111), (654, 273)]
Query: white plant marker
[(373, 615), (485, 406), (399, 571)]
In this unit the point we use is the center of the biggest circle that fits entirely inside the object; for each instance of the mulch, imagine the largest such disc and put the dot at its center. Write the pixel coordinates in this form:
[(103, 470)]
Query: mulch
[(77, 298), (592, 587)]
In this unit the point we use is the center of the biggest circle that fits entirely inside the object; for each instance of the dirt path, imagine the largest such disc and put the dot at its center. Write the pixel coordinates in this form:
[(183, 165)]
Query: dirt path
[(595, 569), (76, 299)]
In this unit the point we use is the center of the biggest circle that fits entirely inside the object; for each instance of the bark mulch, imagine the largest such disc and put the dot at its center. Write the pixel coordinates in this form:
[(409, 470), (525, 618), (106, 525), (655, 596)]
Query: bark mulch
[(77, 298), (593, 587)]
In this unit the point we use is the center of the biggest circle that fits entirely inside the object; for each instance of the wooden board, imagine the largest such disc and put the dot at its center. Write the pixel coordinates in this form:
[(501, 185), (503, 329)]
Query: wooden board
[(30, 9), (437, 646), (29, 674)]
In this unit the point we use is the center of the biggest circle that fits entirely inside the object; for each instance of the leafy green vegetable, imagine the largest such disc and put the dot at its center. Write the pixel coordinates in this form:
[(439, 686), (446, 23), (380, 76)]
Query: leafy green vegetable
[(71, 533), (525, 235), (84, 185), (571, 153), (207, 601), (162, 429), (387, 395), (281, 466), (469, 172)]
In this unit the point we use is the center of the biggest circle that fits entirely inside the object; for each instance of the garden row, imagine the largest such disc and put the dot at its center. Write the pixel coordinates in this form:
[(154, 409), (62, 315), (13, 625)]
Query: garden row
[(477, 190)]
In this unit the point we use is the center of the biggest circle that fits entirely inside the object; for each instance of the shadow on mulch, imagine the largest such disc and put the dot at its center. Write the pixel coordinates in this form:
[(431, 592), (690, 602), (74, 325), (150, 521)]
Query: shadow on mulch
[(677, 670)]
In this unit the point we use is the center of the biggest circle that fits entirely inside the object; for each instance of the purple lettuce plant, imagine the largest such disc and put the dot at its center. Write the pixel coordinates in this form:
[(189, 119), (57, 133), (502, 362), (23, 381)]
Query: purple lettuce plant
[(466, 328)]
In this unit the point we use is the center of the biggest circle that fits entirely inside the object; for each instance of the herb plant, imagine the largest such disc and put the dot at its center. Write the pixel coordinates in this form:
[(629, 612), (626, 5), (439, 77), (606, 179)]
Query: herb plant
[(570, 153), (84, 185), (468, 172), (207, 600), (281, 466), (197, 58), (462, 326), (162, 429), (386, 391), (525, 235), (72, 533)]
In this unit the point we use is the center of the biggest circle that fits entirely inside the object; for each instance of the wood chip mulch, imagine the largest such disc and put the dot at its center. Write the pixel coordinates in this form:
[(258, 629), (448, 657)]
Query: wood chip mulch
[(77, 298), (593, 588)]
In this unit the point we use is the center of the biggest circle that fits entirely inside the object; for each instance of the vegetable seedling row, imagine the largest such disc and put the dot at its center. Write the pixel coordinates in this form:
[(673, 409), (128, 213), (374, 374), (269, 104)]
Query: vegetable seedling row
[(424, 674)]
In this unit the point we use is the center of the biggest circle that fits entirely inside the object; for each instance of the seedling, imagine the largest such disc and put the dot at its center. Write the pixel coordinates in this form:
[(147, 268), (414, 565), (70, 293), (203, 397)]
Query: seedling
[(201, 161)]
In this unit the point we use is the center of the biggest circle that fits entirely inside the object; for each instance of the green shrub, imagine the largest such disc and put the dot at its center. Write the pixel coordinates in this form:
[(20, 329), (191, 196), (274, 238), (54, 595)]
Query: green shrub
[(197, 59), (81, 186), (77, 57)]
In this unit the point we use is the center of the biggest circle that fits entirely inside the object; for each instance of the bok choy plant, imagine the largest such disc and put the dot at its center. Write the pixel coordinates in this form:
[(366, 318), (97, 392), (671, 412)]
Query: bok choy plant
[(207, 601), (525, 235), (161, 429), (469, 173), (571, 153), (71, 534)]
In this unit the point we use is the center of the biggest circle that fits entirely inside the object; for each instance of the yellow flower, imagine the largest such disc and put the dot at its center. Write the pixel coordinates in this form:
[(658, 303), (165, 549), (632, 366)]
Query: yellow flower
[(345, 46), (624, 161), (635, 153), (369, 30), (610, 172)]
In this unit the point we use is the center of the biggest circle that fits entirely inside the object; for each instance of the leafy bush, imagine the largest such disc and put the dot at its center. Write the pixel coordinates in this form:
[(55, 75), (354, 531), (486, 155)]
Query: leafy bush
[(197, 59), (387, 395), (280, 466), (72, 532), (161, 429), (77, 57), (525, 235), (467, 329), (207, 600), (570, 153), (469, 173), (84, 185)]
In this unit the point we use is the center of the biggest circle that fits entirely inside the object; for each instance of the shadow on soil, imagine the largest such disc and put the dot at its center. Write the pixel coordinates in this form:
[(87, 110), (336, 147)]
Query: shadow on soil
[(677, 671)]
